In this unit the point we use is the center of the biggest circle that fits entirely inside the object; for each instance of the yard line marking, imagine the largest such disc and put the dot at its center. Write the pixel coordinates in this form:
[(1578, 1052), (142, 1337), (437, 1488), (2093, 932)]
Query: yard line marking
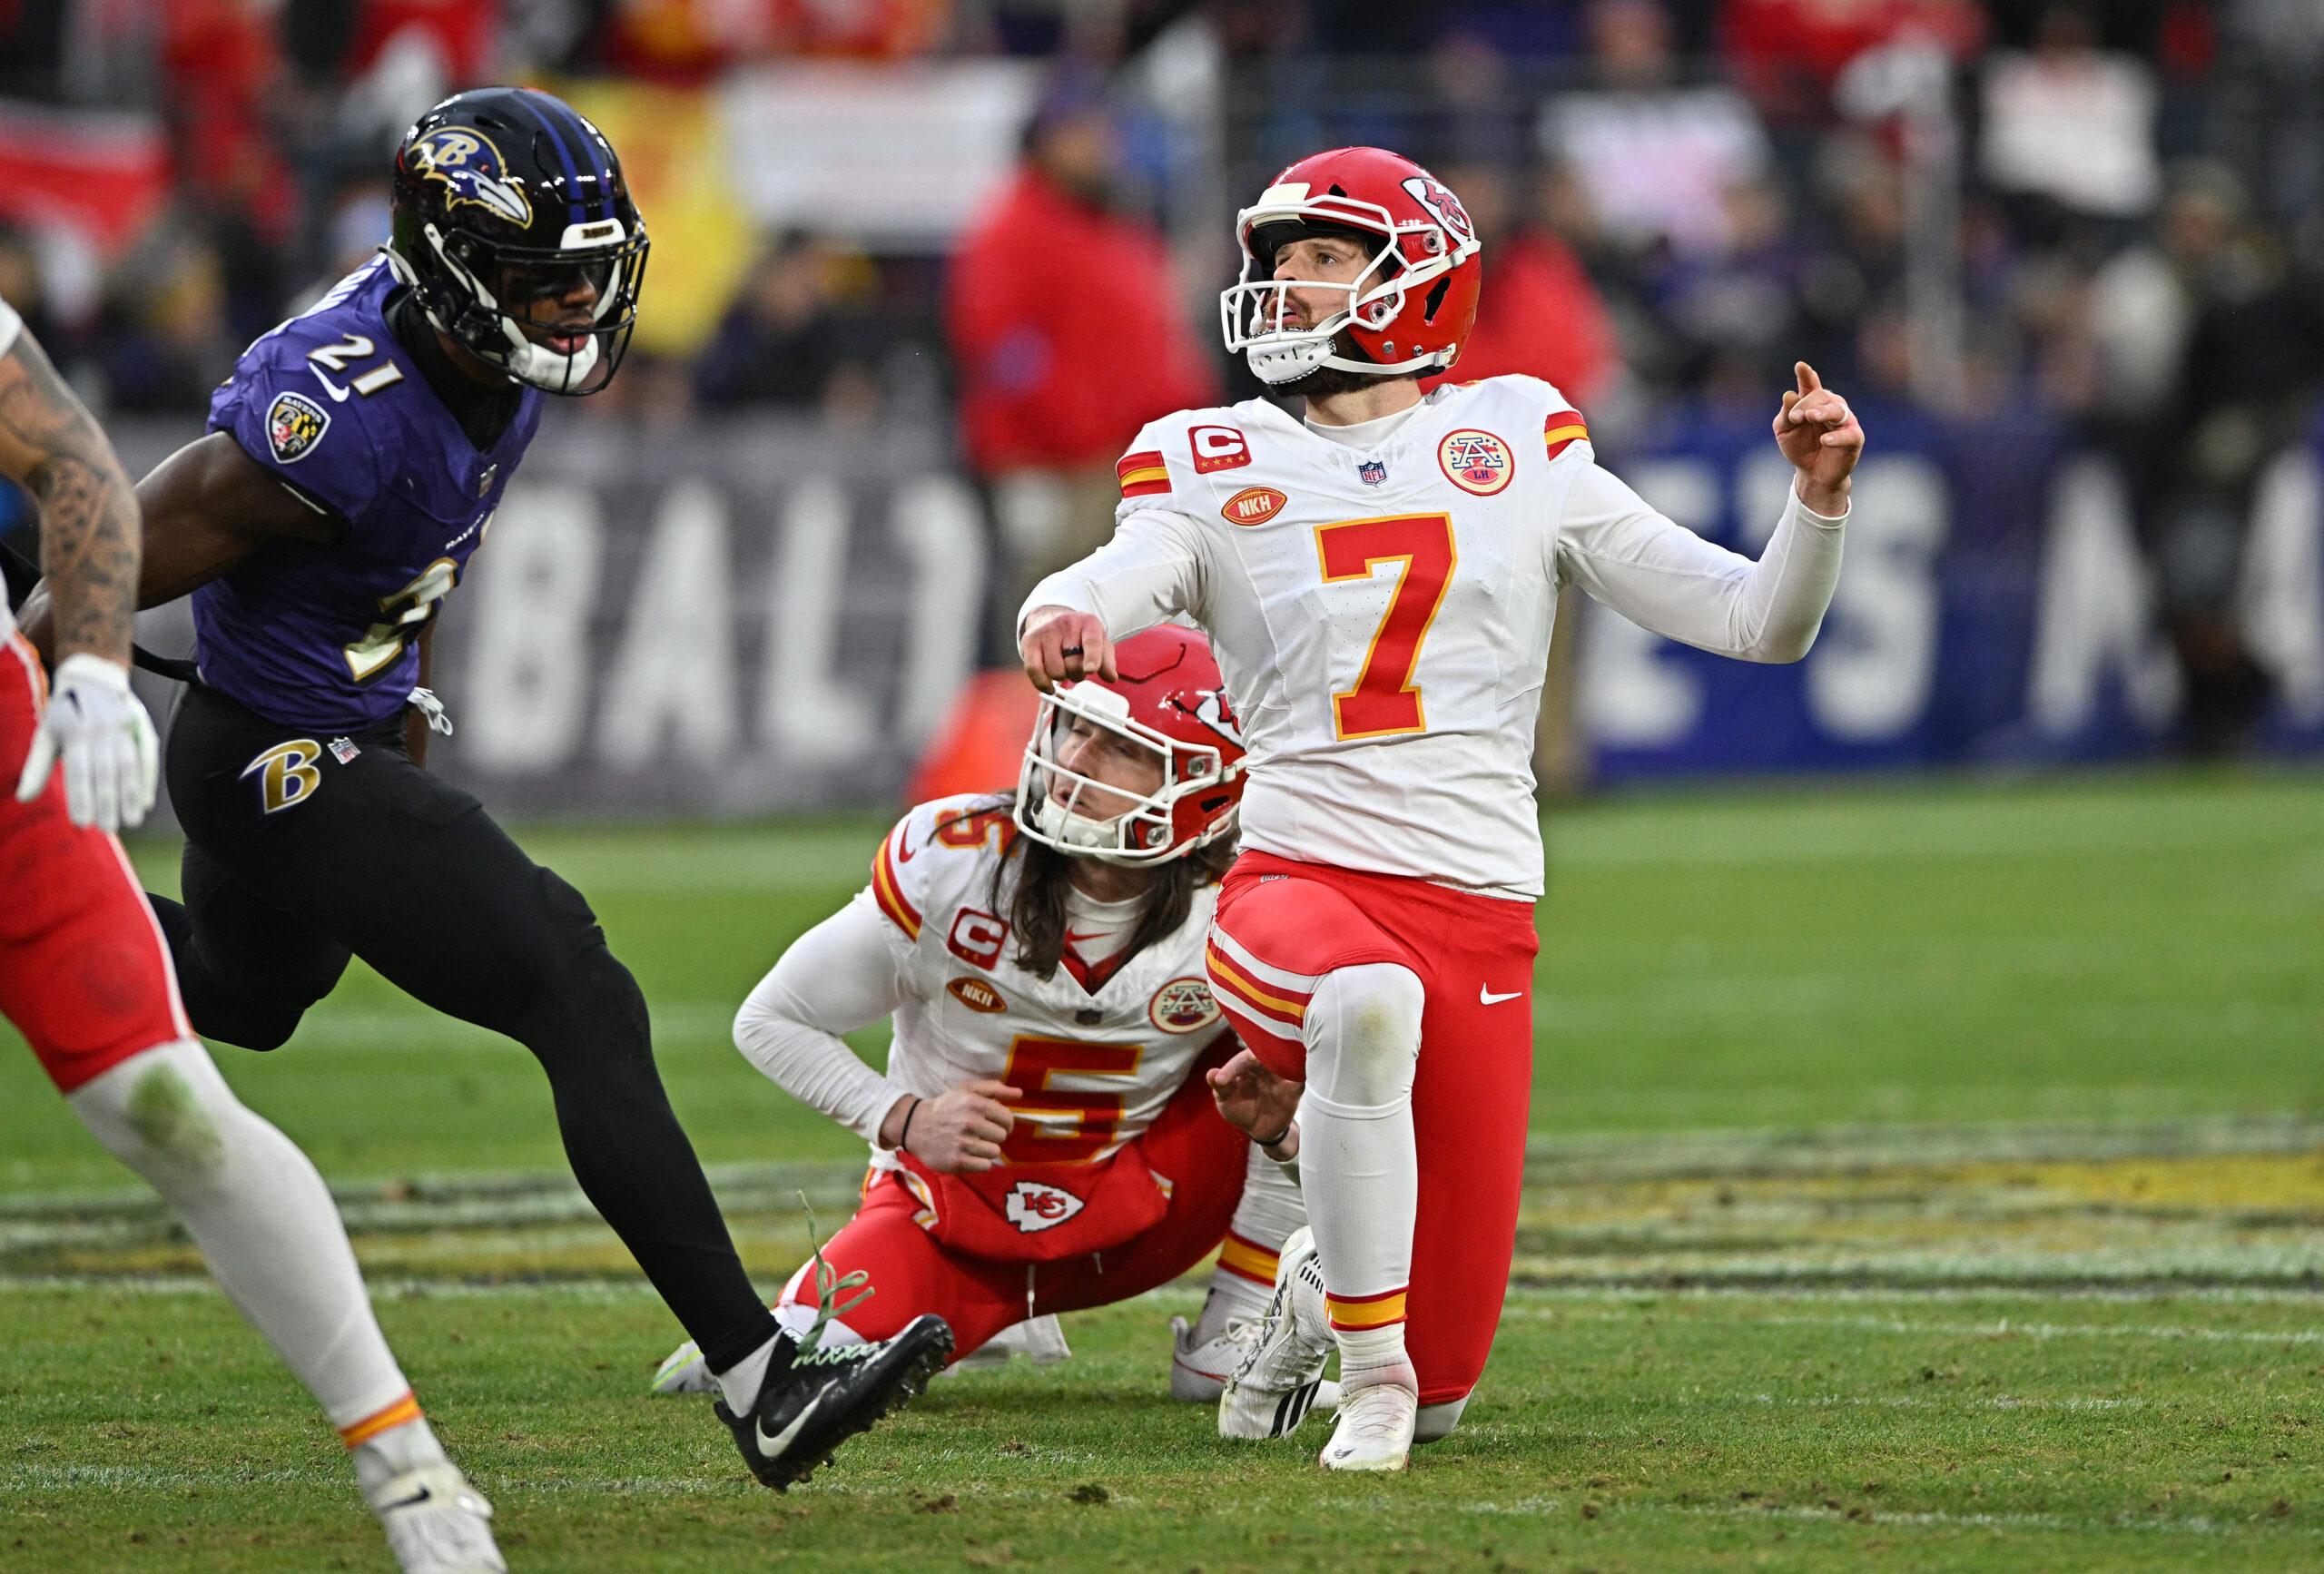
[(2001, 1328), (2257, 1294), (1921, 1401), (1869, 1516)]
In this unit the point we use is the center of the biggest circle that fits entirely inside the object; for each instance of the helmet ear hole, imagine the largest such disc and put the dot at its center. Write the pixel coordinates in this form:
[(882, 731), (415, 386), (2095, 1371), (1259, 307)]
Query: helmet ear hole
[(1435, 299)]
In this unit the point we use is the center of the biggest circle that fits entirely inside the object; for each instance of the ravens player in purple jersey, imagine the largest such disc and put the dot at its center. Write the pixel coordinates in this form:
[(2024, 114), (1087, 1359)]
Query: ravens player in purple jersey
[(351, 468)]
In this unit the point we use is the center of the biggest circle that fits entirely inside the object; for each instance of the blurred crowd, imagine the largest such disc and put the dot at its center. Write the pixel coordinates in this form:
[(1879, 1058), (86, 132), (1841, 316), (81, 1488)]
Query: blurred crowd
[(2098, 216)]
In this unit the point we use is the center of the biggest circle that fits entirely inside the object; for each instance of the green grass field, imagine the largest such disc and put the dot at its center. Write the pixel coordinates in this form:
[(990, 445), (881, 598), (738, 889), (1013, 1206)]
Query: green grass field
[(1922, 1178)]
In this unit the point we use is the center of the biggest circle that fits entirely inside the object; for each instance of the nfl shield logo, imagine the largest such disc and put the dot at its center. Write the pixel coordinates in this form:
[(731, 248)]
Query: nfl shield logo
[(1373, 471)]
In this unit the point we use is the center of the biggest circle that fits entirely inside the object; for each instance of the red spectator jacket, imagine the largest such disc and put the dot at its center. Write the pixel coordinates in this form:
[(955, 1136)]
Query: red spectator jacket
[(1066, 332), (1539, 315)]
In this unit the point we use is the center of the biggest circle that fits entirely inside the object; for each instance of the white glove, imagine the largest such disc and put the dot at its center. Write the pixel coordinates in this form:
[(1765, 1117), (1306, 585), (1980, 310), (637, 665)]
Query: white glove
[(105, 740)]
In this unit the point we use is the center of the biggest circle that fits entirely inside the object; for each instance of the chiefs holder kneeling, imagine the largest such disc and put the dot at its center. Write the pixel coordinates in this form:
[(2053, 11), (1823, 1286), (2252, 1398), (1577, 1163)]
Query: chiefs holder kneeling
[(1065, 1120)]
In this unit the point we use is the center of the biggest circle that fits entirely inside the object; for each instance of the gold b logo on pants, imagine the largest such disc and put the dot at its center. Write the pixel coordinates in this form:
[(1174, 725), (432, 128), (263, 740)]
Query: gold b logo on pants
[(286, 774)]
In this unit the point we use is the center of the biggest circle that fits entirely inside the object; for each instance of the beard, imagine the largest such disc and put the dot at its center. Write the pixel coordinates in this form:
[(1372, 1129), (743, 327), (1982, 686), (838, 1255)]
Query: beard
[(1330, 381)]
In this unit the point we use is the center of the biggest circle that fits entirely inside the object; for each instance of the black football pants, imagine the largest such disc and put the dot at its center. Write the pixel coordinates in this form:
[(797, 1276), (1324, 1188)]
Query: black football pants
[(296, 857)]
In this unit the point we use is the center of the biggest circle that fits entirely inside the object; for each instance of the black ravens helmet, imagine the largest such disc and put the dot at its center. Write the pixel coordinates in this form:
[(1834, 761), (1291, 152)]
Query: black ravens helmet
[(514, 226)]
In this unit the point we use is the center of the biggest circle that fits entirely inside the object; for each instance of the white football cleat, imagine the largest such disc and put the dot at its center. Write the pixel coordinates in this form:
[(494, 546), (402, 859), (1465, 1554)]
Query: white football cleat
[(437, 1523), (1040, 1340), (1198, 1373), (1375, 1428), (684, 1371), (1281, 1376)]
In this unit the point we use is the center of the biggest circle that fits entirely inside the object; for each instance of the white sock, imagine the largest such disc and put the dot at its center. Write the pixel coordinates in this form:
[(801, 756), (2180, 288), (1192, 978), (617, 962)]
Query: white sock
[(259, 1215), (740, 1383), (1359, 1170), (799, 1318), (1244, 1276), (390, 1453)]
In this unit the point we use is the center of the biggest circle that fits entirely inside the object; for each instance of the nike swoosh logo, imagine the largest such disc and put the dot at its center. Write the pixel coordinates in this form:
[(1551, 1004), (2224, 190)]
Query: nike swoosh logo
[(1487, 997), (772, 1447), (413, 1502), (338, 394), (905, 852)]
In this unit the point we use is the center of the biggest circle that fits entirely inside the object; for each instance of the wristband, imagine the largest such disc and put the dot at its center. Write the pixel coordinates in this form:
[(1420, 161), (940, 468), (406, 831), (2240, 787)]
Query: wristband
[(904, 1136), (1276, 1140)]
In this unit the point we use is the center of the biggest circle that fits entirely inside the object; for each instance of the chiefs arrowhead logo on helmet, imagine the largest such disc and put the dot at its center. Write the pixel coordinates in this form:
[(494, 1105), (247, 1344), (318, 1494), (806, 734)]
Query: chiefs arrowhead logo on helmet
[(1214, 710)]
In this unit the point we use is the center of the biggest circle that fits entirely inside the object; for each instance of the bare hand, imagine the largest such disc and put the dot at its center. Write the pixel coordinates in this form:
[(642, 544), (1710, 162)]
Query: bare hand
[(1254, 1099), (961, 1132), (1062, 645), (1818, 434)]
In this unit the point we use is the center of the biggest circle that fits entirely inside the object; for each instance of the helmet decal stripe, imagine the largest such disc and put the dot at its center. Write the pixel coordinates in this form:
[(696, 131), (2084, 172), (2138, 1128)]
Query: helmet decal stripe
[(592, 152), (531, 105)]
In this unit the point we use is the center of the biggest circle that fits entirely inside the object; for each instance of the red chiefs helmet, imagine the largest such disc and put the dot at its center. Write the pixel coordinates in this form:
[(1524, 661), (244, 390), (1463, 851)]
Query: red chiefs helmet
[(1412, 306), (1168, 712)]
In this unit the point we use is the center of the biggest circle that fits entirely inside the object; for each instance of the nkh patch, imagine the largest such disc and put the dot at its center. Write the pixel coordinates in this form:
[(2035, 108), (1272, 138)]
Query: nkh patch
[(1036, 1205), (294, 425)]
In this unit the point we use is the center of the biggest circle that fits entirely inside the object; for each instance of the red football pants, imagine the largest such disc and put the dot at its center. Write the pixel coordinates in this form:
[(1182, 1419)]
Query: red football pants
[(84, 973), (1280, 927), (911, 1273)]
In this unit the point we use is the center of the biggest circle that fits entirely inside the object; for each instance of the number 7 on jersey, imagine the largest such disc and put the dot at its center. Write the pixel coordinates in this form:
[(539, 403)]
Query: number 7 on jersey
[(1385, 699)]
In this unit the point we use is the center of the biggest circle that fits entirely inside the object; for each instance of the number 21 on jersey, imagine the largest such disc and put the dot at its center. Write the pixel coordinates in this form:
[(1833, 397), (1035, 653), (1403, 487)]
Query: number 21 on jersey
[(1385, 699)]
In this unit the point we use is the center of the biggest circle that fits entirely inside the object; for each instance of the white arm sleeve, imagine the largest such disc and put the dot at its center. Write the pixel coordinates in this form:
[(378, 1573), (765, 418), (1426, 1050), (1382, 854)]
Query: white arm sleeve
[(1155, 566), (1663, 576), (10, 325), (839, 976)]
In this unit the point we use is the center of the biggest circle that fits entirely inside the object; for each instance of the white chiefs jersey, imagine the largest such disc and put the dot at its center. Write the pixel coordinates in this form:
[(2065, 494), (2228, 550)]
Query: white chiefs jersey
[(11, 325), (1096, 1064), (1382, 614)]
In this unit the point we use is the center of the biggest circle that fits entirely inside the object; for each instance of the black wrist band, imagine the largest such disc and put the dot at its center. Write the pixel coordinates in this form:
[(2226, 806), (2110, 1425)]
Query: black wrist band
[(904, 1136), (1276, 1140)]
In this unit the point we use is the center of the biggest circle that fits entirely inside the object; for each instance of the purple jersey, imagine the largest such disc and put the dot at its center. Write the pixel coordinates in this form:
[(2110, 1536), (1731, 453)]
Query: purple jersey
[(325, 637)]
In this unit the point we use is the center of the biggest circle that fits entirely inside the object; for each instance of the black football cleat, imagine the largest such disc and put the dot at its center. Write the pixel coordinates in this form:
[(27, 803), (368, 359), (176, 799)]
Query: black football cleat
[(817, 1396)]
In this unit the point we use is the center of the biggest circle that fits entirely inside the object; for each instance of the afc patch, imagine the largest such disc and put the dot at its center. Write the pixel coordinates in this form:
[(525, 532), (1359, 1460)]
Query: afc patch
[(294, 425), (1035, 1206), (1183, 1006), (1476, 461), (1252, 506), (1218, 449)]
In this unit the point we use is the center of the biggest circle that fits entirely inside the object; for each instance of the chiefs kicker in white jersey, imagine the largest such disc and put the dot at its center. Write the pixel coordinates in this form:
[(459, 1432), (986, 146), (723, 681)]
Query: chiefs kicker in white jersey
[(1405, 594), (1095, 1066)]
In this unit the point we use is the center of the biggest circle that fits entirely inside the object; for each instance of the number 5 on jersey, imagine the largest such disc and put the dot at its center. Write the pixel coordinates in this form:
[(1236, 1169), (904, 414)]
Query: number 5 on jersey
[(1386, 699)]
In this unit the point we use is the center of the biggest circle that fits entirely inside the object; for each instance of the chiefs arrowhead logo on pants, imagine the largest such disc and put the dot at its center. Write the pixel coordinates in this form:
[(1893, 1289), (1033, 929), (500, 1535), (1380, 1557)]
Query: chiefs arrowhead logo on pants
[(1033, 1206)]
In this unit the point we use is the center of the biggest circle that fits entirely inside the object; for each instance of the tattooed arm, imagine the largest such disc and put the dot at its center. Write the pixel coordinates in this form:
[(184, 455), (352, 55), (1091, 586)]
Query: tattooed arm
[(88, 514), (92, 733)]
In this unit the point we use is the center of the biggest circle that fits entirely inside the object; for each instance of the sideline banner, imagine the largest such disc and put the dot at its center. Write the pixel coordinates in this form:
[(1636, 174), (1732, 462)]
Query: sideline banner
[(1993, 608), (730, 619)]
